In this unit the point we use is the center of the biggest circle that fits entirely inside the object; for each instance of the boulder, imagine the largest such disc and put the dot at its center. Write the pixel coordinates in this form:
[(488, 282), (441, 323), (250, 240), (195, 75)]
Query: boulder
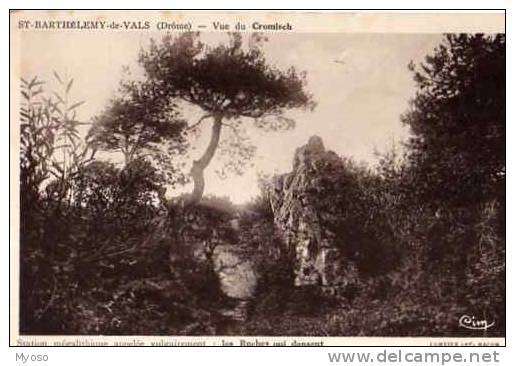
[(238, 277)]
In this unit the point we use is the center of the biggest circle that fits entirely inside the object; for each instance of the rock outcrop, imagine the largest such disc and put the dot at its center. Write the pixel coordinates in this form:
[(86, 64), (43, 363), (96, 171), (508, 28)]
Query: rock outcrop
[(303, 206), (238, 277), (210, 243)]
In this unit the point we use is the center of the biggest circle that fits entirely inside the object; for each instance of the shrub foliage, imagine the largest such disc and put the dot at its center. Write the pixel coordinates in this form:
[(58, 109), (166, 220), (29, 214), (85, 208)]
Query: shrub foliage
[(102, 251)]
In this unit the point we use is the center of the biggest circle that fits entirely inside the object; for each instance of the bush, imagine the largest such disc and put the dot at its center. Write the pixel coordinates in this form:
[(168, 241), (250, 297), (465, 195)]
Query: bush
[(94, 253)]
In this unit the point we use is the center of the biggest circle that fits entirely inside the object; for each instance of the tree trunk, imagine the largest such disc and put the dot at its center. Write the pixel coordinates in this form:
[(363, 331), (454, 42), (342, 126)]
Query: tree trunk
[(197, 170)]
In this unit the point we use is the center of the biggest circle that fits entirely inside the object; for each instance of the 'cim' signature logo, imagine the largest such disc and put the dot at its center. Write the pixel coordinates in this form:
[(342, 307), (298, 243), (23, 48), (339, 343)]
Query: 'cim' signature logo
[(470, 322)]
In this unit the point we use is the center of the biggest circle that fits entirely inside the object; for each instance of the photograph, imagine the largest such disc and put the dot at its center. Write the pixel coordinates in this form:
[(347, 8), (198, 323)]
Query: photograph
[(180, 175)]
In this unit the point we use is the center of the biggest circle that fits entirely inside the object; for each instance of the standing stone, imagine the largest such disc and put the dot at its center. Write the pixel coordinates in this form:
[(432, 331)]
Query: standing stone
[(296, 199)]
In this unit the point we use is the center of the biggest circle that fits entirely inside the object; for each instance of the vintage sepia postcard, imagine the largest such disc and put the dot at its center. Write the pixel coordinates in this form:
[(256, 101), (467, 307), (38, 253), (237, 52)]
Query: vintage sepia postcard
[(194, 178)]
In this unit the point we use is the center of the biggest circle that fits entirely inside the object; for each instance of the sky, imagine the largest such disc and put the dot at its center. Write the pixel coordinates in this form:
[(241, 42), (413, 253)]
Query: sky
[(360, 82)]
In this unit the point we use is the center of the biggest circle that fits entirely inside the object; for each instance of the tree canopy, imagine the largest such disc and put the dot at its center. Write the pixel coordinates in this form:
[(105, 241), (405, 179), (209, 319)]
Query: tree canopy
[(230, 83), (138, 124), (457, 119)]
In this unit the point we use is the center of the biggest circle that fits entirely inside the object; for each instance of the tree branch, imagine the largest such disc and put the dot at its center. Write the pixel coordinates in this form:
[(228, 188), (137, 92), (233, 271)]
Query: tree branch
[(50, 301), (234, 130), (205, 116)]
